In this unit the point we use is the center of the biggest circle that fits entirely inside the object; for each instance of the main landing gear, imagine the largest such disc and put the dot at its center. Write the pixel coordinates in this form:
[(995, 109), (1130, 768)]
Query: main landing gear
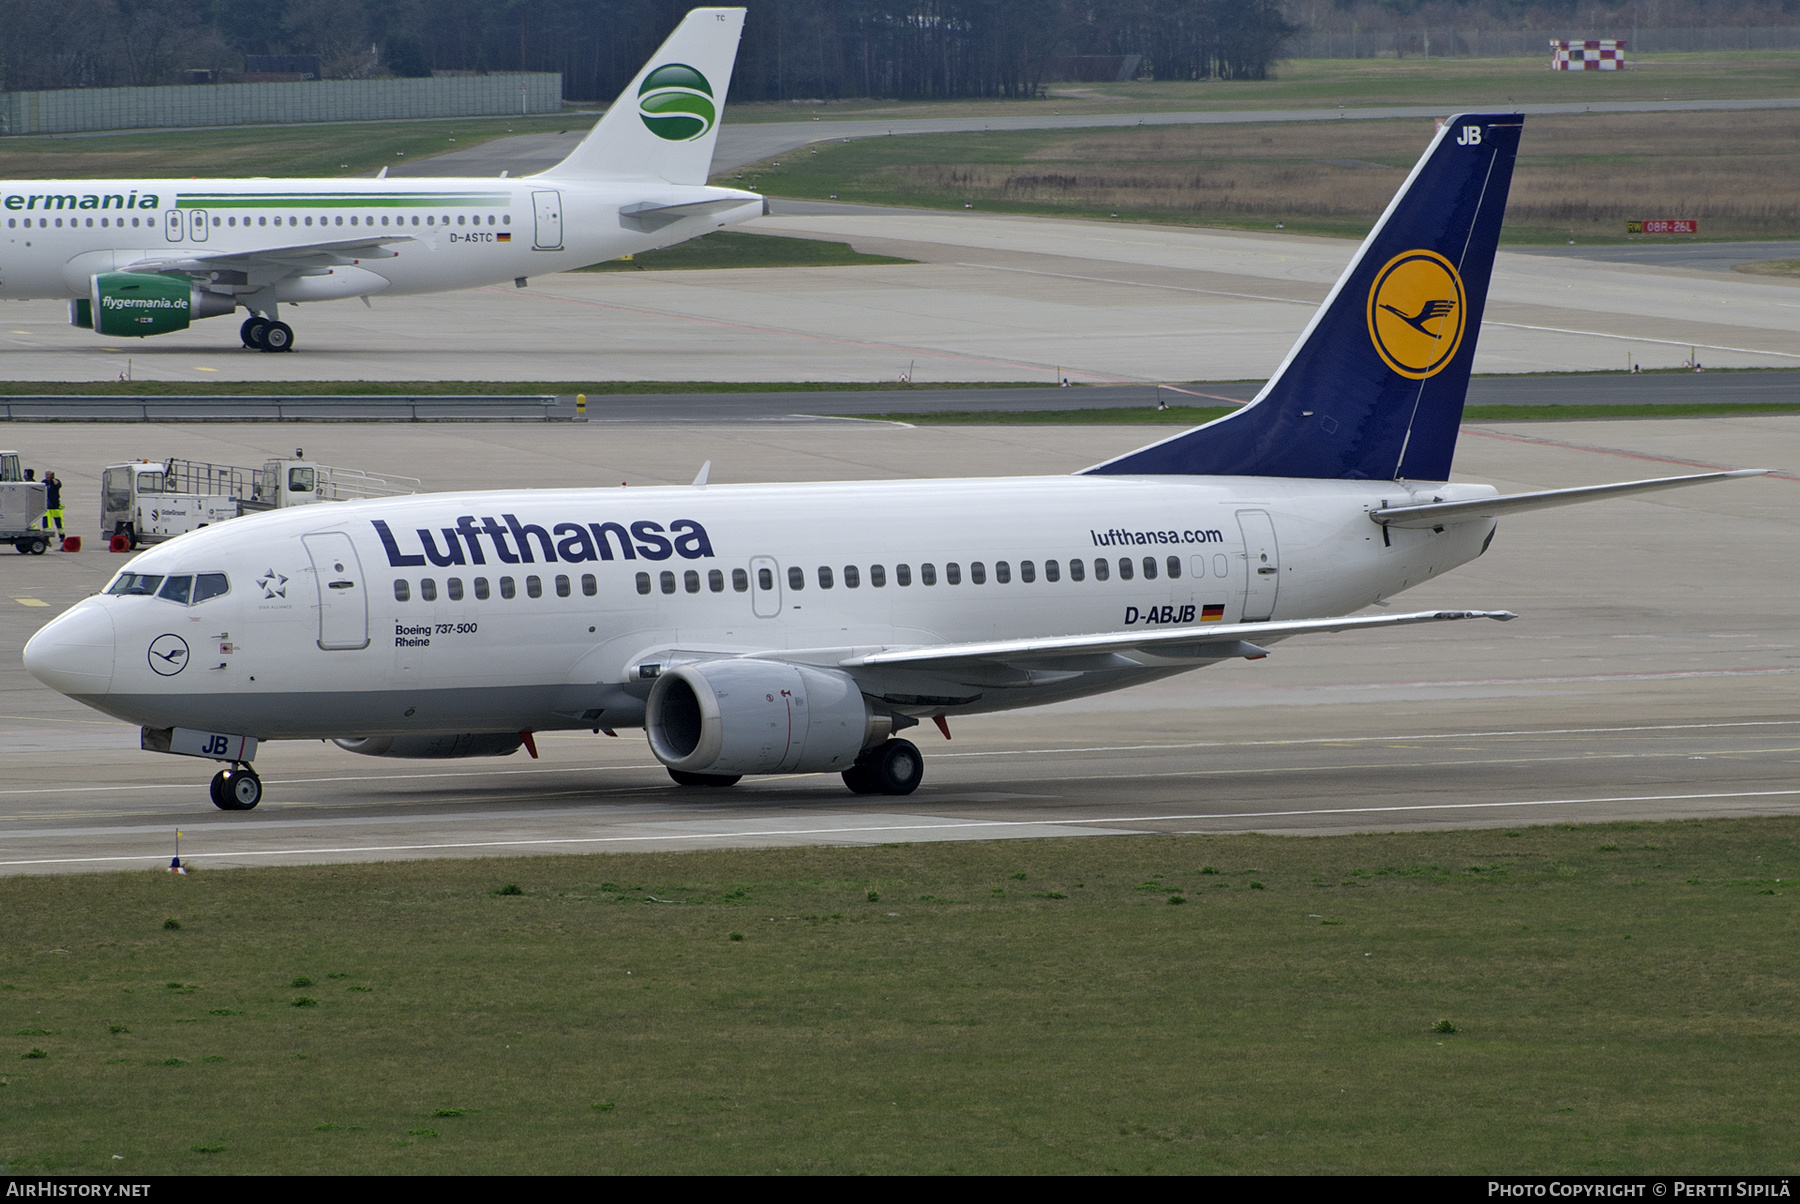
[(237, 788), (260, 334), (893, 767)]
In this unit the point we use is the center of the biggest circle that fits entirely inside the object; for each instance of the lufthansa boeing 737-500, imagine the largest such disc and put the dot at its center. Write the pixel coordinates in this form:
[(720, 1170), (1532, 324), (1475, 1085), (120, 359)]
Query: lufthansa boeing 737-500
[(781, 628), (144, 257)]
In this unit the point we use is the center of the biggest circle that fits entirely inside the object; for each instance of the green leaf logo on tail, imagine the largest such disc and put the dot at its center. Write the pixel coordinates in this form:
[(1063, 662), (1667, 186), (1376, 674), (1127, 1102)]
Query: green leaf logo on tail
[(676, 103)]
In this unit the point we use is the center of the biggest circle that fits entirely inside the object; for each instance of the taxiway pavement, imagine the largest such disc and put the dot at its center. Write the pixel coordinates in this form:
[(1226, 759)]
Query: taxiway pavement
[(1652, 673), (991, 298)]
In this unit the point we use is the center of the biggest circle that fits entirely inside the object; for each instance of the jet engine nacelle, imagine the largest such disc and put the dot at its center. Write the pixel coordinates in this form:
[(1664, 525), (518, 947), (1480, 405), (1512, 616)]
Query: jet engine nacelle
[(754, 716), (430, 747), (135, 304)]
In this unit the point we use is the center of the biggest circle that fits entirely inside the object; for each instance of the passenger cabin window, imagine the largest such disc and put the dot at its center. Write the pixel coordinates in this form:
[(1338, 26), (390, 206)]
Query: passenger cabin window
[(507, 588), (825, 580), (1221, 566), (1002, 572), (534, 587), (1077, 570), (740, 580), (796, 577), (643, 583), (1101, 570), (978, 573), (453, 587), (1174, 567), (877, 576), (402, 591), (481, 589), (715, 581), (1027, 571), (1051, 571), (427, 590), (562, 586), (690, 581), (928, 574), (668, 582), (765, 579), (953, 573), (589, 586), (1124, 568), (852, 578), (1149, 568), (903, 574)]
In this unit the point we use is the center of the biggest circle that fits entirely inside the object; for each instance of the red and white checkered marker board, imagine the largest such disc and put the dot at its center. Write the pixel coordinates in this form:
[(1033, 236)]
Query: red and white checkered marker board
[(1595, 54)]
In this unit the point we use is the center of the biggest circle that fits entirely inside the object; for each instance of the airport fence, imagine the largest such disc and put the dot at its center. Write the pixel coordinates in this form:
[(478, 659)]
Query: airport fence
[(77, 110), (1444, 42)]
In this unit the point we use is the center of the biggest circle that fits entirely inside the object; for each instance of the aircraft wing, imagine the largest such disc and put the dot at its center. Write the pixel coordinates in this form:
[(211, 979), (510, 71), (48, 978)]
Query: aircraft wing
[(1211, 641), (296, 258), (1442, 514)]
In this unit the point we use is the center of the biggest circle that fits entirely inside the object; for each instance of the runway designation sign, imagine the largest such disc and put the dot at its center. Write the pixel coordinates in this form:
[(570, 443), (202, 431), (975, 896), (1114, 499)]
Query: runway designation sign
[(1663, 225)]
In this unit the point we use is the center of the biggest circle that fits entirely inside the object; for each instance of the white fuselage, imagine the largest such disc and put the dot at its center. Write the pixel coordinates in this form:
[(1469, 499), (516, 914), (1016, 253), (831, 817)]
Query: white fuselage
[(334, 627), (461, 233)]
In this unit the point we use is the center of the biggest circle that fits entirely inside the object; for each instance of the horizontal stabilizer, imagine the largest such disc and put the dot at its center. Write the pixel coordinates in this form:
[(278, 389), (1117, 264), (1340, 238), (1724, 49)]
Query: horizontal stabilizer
[(1443, 514), (649, 217), (1217, 641)]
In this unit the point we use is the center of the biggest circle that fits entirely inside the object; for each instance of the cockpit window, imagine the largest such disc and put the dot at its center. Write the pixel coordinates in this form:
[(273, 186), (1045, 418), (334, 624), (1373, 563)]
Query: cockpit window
[(185, 589), (135, 583)]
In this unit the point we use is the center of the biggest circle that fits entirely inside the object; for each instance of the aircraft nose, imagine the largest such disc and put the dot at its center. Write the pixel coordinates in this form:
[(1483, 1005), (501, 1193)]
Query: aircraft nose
[(73, 653)]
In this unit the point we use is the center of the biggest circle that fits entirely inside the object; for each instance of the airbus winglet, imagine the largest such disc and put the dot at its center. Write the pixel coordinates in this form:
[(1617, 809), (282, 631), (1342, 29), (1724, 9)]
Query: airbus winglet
[(759, 629)]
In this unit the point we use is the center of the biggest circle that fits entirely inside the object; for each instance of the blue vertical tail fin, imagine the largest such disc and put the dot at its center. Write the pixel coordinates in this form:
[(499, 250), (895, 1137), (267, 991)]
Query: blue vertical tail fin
[(1374, 388)]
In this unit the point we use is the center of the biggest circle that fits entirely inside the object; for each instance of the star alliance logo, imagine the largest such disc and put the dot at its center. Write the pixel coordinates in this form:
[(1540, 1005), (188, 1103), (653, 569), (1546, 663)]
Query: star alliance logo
[(274, 585)]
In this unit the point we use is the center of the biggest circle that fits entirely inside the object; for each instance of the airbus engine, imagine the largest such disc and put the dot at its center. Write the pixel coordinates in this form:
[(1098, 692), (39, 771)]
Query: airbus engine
[(435, 747), (753, 716), (134, 304)]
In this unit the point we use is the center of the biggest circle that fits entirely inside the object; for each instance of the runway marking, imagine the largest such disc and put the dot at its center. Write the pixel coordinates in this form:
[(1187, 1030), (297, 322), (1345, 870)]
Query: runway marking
[(1100, 748), (1555, 731), (31, 602), (904, 348), (1173, 288), (1630, 338), (1612, 451), (937, 826)]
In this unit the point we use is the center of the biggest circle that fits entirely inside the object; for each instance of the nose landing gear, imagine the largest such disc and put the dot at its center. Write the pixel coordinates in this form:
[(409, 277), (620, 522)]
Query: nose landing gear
[(237, 788)]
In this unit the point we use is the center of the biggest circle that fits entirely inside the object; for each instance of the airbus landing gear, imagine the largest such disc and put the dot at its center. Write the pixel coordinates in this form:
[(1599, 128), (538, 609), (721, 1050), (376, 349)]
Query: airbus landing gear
[(684, 778), (894, 767), (260, 334), (237, 788)]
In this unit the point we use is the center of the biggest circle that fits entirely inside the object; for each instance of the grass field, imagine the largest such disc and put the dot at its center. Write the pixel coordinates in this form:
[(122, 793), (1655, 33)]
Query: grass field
[(1577, 177), (1313, 83), (1615, 998), (734, 249), (355, 148)]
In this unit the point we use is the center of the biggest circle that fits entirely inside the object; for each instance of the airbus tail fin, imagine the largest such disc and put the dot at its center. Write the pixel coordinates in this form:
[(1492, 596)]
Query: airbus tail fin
[(1374, 388), (663, 126)]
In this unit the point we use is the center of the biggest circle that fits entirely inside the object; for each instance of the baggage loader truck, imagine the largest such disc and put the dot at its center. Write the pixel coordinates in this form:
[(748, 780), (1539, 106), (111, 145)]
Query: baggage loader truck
[(147, 502)]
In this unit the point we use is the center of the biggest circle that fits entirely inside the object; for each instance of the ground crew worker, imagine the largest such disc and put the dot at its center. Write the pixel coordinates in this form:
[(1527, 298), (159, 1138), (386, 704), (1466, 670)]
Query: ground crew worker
[(53, 507)]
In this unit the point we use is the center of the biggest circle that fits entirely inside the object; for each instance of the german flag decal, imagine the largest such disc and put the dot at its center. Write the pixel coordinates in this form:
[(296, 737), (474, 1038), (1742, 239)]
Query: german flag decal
[(1212, 612), (506, 238)]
